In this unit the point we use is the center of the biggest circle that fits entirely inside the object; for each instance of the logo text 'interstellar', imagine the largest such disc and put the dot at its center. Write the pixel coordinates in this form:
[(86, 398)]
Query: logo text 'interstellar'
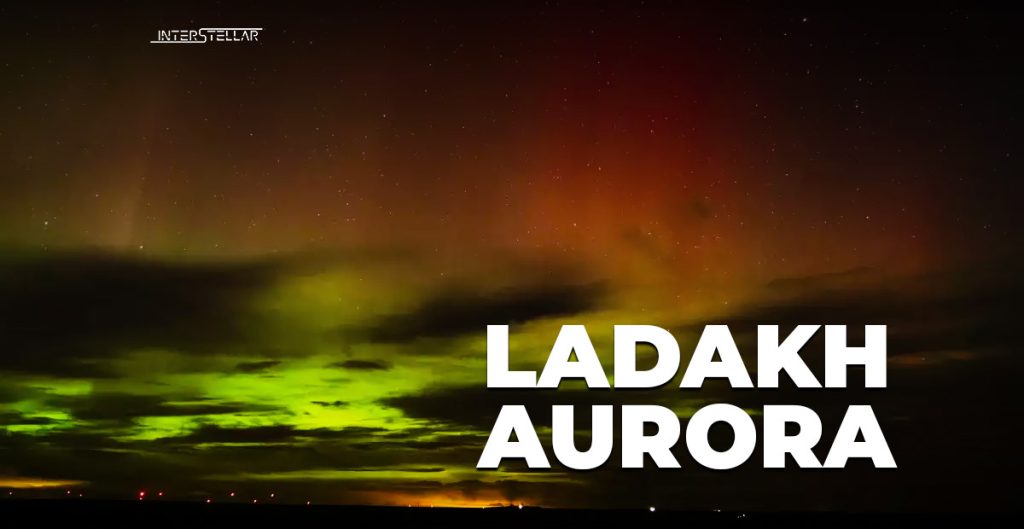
[(204, 35)]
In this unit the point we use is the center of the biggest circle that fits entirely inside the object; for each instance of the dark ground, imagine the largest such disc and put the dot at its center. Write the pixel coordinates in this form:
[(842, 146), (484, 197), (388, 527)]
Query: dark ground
[(46, 512)]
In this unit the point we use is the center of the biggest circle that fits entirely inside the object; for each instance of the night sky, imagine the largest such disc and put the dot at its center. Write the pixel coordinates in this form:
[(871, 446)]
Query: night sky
[(268, 267)]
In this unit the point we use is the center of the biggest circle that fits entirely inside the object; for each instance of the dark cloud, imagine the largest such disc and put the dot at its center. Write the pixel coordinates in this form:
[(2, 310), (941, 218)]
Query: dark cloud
[(964, 309), (124, 407), (11, 391), (466, 443), (62, 314), (333, 404), (259, 434), (211, 433), (17, 419), (257, 367), (825, 280), (362, 365), (460, 311)]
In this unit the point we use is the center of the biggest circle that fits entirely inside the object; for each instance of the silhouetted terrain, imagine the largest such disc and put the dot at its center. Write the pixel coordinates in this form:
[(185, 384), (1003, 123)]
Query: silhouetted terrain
[(265, 515)]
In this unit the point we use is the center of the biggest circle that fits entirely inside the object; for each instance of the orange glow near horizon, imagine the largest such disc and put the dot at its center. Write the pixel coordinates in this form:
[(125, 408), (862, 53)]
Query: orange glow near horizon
[(444, 498)]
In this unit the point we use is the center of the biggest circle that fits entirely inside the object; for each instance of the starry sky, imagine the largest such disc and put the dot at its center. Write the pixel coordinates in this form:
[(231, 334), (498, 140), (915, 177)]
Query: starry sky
[(269, 267)]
